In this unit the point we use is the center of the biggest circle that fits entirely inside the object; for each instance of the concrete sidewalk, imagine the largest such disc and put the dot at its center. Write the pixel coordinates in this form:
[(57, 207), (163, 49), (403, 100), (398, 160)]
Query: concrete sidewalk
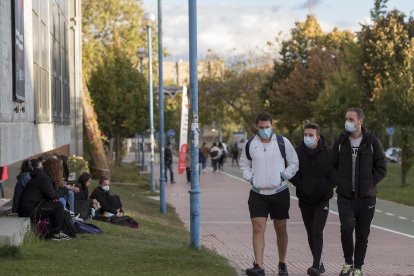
[(226, 229)]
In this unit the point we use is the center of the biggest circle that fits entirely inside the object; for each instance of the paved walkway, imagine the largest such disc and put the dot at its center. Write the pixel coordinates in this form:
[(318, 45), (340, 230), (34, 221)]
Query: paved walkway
[(226, 229)]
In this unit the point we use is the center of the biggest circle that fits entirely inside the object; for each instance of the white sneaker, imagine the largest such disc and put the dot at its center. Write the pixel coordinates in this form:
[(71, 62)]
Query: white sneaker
[(60, 237)]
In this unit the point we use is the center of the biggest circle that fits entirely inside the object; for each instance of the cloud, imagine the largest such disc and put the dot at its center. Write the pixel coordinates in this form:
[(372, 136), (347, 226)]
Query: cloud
[(224, 28), (309, 4)]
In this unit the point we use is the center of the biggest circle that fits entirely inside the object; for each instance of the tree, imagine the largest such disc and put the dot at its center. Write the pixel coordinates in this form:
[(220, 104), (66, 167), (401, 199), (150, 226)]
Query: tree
[(106, 23), (387, 47), (120, 99)]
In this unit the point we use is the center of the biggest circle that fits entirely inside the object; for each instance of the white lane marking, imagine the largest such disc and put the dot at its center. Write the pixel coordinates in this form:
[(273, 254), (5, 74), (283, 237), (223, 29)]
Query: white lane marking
[(379, 211), (402, 218), (389, 214), (372, 225)]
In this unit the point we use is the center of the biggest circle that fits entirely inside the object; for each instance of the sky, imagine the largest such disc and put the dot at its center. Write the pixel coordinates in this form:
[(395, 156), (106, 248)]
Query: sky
[(228, 27)]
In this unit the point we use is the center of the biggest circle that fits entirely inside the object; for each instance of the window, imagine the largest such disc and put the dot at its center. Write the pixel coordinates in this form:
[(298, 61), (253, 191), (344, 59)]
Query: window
[(50, 56), (40, 61)]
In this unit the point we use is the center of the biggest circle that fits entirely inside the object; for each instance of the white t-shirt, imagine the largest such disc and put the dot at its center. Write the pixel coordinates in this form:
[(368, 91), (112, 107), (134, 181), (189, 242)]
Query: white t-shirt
[(355, 143)]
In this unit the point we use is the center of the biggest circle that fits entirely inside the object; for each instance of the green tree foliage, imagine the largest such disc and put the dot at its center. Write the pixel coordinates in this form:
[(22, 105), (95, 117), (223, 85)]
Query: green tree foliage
[(232, 99), (120, 98), (106, 23), (388, 51)]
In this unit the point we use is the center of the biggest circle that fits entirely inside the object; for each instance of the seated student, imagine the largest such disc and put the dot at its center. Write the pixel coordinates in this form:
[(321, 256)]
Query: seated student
[(22, 179), (38, 199), (109, 203), (83, 203)]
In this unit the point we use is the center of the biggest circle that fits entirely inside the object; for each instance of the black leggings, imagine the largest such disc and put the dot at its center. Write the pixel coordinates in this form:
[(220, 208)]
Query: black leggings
[(314, 218), (115, 202), (52, 210)]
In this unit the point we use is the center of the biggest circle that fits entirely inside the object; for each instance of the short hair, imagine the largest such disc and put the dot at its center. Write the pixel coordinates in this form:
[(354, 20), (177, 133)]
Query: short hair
[(26, 166), (35, 163), (102, 178), (54, 169), (313, 126), (263, 116), (360, 113)]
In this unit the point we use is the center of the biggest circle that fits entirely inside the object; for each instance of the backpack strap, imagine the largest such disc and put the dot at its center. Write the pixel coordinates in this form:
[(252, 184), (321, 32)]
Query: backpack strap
[(280, 143), (247, 148)]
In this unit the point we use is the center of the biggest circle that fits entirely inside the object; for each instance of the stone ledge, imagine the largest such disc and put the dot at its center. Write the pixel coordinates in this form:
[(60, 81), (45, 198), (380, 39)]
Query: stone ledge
[(12, 230)]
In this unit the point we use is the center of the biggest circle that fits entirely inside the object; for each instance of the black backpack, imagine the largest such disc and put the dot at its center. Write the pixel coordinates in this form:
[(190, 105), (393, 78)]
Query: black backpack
[(280, 143)]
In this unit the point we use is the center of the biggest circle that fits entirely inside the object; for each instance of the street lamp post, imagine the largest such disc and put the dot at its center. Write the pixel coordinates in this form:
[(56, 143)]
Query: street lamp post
[(150, 18), (141, 55), (163, 209), (195, 210)]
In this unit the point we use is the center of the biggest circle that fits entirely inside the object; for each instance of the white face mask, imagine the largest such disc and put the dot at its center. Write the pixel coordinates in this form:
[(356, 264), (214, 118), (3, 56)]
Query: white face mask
[(310, 142), (105, 188), (349, 126)]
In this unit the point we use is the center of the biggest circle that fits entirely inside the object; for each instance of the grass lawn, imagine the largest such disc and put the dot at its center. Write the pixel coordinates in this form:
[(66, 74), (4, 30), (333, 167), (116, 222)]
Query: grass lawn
[(160, 246), (389, 188)]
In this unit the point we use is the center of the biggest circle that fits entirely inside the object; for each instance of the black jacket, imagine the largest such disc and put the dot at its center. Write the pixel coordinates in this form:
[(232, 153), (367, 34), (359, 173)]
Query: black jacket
[(168, 158), (310, 181), (39, 188), (104, 200), (370, 166)]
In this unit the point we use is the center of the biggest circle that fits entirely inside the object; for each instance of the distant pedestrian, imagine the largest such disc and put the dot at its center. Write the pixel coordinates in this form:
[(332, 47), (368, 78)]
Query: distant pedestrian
[(313, 191), (206, 152), (215, 153), (235, 154), (168, 157), (273, 161), (356, 167), (223, 153)]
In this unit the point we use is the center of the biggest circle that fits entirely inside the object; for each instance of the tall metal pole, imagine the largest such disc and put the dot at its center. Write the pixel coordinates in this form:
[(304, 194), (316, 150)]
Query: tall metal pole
[(195, 210), (163, 209), (151, 108)]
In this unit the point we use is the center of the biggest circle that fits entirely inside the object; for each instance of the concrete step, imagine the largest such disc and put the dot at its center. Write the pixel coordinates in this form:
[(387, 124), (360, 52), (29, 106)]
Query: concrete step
[(5, 206), (12, 230)]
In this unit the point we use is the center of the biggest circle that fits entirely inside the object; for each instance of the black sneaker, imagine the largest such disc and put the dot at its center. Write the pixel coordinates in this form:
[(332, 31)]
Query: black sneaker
[(321, 268), (313, 271), (283, 270), (256, 270)]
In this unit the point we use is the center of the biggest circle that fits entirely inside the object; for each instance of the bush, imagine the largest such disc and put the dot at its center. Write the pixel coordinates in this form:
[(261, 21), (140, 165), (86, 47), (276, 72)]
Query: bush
[(77, 165)]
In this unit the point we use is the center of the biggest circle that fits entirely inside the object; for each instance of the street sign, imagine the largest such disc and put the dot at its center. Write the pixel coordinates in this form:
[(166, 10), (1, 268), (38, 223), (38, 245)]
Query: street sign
[(390, 130), (171, 133)]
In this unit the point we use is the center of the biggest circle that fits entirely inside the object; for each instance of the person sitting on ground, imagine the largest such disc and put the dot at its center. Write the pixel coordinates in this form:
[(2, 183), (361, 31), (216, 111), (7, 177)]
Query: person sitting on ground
[(83, 203), (22, 179), (110, 204), (38, 199)]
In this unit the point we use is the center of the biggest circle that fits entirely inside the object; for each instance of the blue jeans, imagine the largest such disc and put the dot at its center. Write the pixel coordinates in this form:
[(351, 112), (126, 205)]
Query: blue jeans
[(70, 199)]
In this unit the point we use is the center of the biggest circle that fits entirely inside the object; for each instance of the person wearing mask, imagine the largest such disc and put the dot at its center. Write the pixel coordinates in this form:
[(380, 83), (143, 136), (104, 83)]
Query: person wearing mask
[(313, 191), (110, 204), (356, 166), (268, 161)]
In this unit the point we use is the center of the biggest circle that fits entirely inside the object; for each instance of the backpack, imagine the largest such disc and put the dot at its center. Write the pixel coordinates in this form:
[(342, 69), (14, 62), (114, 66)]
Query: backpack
[(88, 228), (280, 143)]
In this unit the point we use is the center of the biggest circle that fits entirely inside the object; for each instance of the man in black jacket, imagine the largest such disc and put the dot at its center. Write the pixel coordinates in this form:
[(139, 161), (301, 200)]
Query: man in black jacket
[(168, 159), (356, 166), (313, 191)]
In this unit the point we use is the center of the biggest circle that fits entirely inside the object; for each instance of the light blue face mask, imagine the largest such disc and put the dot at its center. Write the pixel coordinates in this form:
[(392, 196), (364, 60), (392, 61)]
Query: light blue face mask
[(265, 133), (106, 188), (310, 142), (349, 126)]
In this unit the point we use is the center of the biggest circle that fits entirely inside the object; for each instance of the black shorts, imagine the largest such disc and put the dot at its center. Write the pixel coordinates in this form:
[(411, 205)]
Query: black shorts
[(277, 205)]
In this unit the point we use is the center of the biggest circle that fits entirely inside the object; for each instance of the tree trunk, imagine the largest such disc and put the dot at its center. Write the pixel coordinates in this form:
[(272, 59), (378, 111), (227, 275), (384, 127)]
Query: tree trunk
[(117, 145), (94, 134), (406, 157)]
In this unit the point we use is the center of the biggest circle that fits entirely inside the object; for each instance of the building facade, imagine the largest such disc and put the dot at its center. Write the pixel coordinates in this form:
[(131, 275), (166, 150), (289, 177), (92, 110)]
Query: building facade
[(40, 81)]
